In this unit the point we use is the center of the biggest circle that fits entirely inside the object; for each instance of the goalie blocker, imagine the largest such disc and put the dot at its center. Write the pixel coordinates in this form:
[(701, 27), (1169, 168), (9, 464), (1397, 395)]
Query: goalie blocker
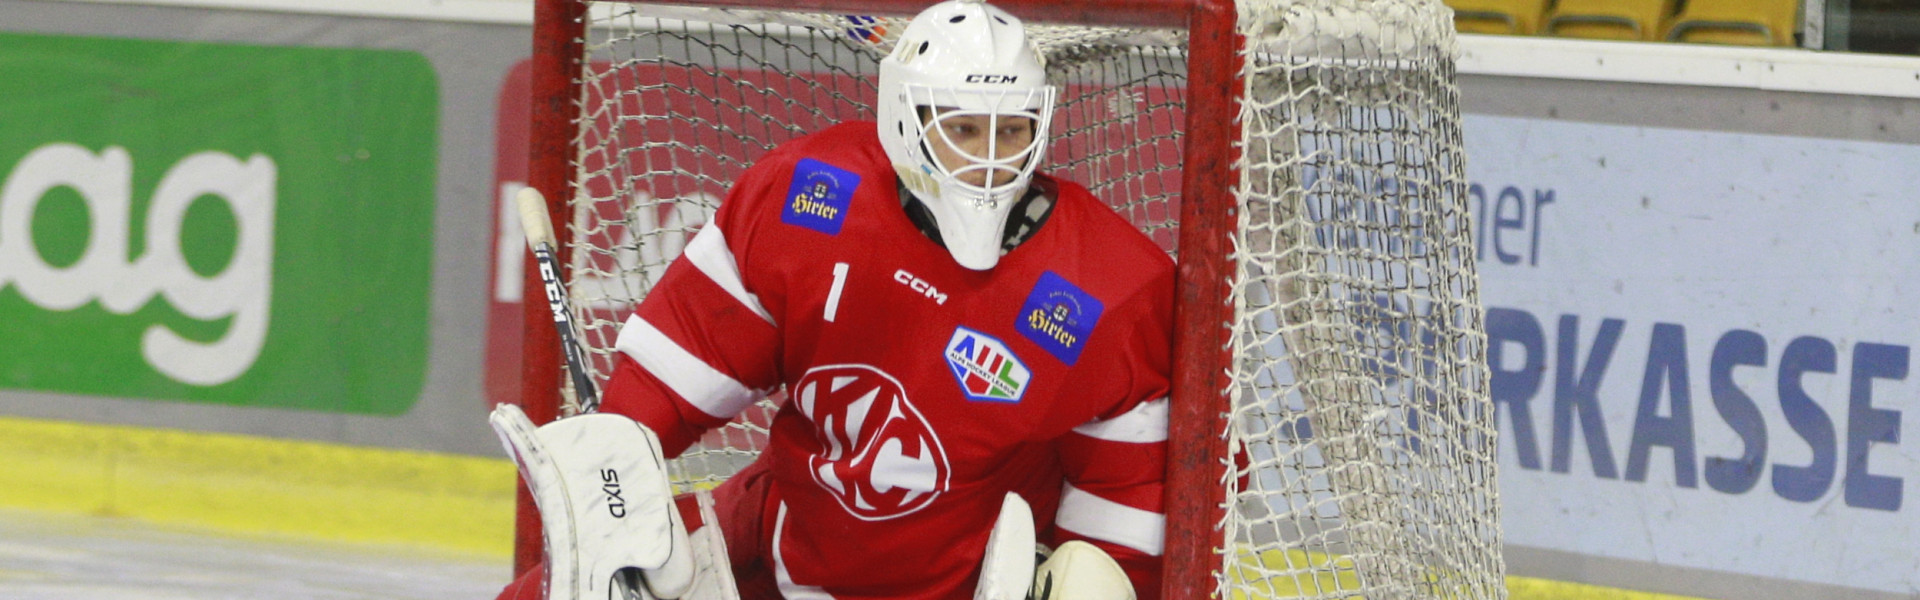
[(614, 530), (607, 511)]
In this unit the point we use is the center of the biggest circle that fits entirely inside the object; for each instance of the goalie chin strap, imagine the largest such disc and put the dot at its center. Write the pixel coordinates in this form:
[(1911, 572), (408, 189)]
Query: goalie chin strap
[(1025, 220), (607, 511)]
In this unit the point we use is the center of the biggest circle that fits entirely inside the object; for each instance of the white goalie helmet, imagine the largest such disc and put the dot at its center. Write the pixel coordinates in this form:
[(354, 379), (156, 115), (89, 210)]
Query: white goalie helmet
[(964, 58)]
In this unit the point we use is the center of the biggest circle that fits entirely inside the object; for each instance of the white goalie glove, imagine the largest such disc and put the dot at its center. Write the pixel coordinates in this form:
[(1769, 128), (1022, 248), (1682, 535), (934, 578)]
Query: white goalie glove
[(1075, 571), (600, 483), (1081, 571)]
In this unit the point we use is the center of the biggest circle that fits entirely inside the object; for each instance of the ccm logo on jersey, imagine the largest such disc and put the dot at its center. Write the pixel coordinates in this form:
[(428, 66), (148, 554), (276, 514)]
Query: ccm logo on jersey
[(878, 456), (1059, 316), (992, 78), (818, 197), (985, 368), (920, 285)]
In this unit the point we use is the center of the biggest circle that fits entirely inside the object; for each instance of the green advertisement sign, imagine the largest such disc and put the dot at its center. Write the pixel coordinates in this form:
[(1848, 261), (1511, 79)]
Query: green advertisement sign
[(214, 223)]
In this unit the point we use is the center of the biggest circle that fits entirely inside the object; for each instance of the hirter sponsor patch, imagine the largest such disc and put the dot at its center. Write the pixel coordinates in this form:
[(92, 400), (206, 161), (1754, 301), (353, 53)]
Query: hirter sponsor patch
[(1059, 316), (985, 368), (818, 197)]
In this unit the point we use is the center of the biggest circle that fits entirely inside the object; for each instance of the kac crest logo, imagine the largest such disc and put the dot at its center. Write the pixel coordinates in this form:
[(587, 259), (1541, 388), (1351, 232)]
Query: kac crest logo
[(879, 457), (1059, 316), (985, 368), (818, 197)]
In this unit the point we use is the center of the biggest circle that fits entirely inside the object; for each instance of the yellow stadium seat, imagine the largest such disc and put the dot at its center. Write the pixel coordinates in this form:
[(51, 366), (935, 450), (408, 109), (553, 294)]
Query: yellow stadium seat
[(1640, 20), (1742, 22), (1508, 17)]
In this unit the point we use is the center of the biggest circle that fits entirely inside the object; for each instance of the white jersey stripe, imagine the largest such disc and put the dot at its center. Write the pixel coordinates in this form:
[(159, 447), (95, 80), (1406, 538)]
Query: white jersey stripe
[(703, 386), (708, 252), (1083, 513), (789, 589), (1145, 424)]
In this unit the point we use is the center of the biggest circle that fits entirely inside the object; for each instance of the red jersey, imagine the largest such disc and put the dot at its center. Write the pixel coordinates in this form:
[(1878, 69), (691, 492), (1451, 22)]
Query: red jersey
[(919, 392)]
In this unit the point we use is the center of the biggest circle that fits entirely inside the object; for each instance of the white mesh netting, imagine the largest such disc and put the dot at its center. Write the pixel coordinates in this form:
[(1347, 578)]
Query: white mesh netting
[(1361, 430)]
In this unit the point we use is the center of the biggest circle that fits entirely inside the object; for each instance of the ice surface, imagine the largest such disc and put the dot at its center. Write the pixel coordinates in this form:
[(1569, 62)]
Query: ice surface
[(47, 556)]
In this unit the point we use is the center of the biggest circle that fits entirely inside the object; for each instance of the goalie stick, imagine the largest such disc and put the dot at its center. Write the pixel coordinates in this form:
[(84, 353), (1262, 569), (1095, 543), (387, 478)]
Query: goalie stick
[(669, 572), (539, 230)]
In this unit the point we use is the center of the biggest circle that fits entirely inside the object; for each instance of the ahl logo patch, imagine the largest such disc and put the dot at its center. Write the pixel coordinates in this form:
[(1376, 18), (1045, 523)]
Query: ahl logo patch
[(818, 197), (985, 368), (1059, 316)]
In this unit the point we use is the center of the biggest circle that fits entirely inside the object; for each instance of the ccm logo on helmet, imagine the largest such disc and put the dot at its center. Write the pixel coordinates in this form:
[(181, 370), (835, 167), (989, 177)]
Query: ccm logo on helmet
[(992, 78)]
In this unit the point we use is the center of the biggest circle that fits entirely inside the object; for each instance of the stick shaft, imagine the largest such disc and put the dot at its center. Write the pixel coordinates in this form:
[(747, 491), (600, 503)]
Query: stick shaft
[(539, 230)]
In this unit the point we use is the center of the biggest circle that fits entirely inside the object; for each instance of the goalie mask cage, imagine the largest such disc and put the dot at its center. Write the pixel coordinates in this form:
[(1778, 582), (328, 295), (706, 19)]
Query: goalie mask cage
[(1331, 434)]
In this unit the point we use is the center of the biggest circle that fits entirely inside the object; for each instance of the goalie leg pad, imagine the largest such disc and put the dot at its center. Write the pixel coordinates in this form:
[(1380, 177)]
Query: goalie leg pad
[(605, 503), (1081, 571), (713, 573), (1007, 569)]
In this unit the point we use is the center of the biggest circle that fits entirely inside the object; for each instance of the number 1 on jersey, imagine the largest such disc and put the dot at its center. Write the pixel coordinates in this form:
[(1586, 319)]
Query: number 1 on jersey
[(833, 296)]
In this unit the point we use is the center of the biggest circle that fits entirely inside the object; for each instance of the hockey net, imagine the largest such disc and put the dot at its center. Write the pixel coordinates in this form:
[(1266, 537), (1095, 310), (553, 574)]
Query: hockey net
[(1353, 434)]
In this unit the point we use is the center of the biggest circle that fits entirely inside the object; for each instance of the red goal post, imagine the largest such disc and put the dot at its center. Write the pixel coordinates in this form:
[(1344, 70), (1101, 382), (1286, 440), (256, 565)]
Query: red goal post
[(1335, 264)]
